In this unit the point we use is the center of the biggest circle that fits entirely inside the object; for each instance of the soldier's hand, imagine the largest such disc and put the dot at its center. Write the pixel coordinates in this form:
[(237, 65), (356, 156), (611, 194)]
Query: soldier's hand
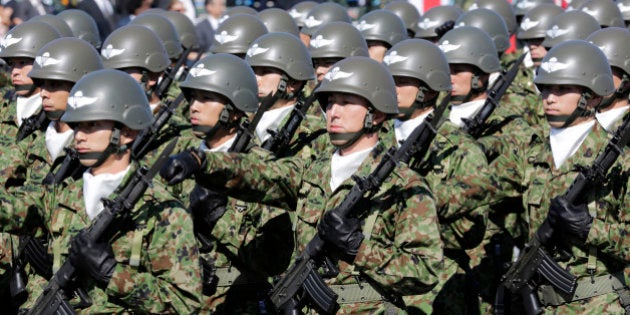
[(572, 220), (92, 257), (207, 207), (182, 166), (344, 233)]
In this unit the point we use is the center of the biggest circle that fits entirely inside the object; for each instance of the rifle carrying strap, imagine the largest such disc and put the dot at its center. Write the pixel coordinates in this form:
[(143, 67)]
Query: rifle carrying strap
[(586, 288)]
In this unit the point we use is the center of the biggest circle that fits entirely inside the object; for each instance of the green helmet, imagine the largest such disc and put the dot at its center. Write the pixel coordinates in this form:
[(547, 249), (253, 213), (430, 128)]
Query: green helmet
[(299, 11), (406, 11), (537, 21), (576, 62), (569, 25), (434, 18), (337, 40), (364, 77), (383, 26), (420, 59), (109, 94), (624, 8), (165, 31), (501, 7), (134, 46), (615, 43), (239, 9), (605, 12), (521, 7), (184, 27), (82, 25), (67, 59), (227, 75), (24, 40), (574, 5), (282, 51), (490, 22), (278, 20), (470, 45), (55, 22), (235, 34), (322, 14)]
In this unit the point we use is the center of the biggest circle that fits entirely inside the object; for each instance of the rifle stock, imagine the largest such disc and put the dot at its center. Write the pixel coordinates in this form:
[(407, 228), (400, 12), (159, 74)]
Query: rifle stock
[(145, 141), (169, 76), (30, 125), (247, 130)]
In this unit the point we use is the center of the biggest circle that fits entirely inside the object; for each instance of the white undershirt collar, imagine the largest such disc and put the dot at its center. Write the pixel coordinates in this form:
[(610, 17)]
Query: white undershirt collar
[(98, 187), (55, 141), (271, 120), (342, 167), (27, 106), (566, 141), (608, 118), (464, 110), (403, 129)]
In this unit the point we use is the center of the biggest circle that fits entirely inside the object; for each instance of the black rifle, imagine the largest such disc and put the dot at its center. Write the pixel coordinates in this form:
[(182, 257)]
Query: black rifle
[(169, 75), (69, 167), (534, 258), (54, 299), (31, 124), (280, 140), (146, 140), (247, 130), (302, 276), (187, 68), (475, 125)]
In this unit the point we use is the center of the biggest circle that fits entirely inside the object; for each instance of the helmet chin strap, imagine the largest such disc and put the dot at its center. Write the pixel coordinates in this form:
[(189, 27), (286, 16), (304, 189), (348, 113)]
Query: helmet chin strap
[(54, 114), (352, 137), (475, 89), (418, 103), (580, 111), (26, 87), (620, 93), (283, 87), (207, 131), (114, 147)]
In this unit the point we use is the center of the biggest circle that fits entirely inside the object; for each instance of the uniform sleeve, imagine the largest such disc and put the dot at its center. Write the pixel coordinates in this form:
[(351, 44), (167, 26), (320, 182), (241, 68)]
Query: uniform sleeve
[(21, 207), (173, 283), (405, 251), (254, 177)]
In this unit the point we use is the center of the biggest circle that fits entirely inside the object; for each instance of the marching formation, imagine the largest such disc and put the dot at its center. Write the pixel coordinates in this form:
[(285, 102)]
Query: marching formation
[(315, 158)]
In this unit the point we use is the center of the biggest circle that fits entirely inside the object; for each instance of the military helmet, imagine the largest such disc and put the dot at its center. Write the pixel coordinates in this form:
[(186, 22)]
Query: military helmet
[(501, 7), (406, 11), (24, 40), (235, 34), (239, 9), (434, 18), (278, 20), (537, 21), (490, 22), (134, 46), (109, 94), (576, 62), (521, 7), (624, 8), (67, 59), (82, 25), (282, 51), (299, 11), (615, 43), (165, 31), (574, 5), (364, 77), (420, 59), (605, 12), (227, 75), (54, 22), (569, 25), (322, 14), (383, 26), (337, 40), (184, 27), (470, 45)]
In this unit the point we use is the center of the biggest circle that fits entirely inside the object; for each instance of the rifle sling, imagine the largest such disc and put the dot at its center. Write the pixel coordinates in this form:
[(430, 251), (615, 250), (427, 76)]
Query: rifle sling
[(587, 287)]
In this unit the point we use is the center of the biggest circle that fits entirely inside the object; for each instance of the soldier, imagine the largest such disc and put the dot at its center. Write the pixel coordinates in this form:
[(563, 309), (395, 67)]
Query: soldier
[(278, 20), (573, 78), (82, 25), (373, 262), (421, 72), (148, 262), (381, 29), (236, 33), (322, 14), (407, 12), (615, 43), (605, 12), (437, 21)]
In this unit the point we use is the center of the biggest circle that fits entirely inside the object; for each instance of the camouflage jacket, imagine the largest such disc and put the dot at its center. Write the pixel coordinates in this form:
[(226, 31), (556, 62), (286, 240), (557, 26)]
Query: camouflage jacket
[(167, 278), (404, 249)]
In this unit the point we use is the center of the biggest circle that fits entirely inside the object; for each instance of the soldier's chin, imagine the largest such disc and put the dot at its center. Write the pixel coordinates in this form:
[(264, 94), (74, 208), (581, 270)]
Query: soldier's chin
[(88, 162)]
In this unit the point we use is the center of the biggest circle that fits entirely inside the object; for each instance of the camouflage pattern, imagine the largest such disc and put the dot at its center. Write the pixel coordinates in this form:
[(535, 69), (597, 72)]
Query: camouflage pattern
[(403, 255), (168, 277)]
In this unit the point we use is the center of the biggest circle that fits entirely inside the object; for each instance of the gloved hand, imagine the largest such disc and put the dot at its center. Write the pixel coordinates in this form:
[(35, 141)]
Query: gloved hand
[(344, 233), (575, 221), (445, 27), (183, 165), (92, 257)]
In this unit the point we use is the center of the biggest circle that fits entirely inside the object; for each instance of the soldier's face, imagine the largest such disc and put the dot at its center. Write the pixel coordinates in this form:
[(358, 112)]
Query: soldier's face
[(54, 94), (322, 65), (406, 90), (206, 108), (267, 79), (20, 67), (92, 136), (561, 100), (376, 50), (345, 113), (461, 78), (536, 50)]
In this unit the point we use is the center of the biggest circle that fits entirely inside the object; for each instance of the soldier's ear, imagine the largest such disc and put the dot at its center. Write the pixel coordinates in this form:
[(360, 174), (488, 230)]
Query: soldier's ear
[(127, 135)]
